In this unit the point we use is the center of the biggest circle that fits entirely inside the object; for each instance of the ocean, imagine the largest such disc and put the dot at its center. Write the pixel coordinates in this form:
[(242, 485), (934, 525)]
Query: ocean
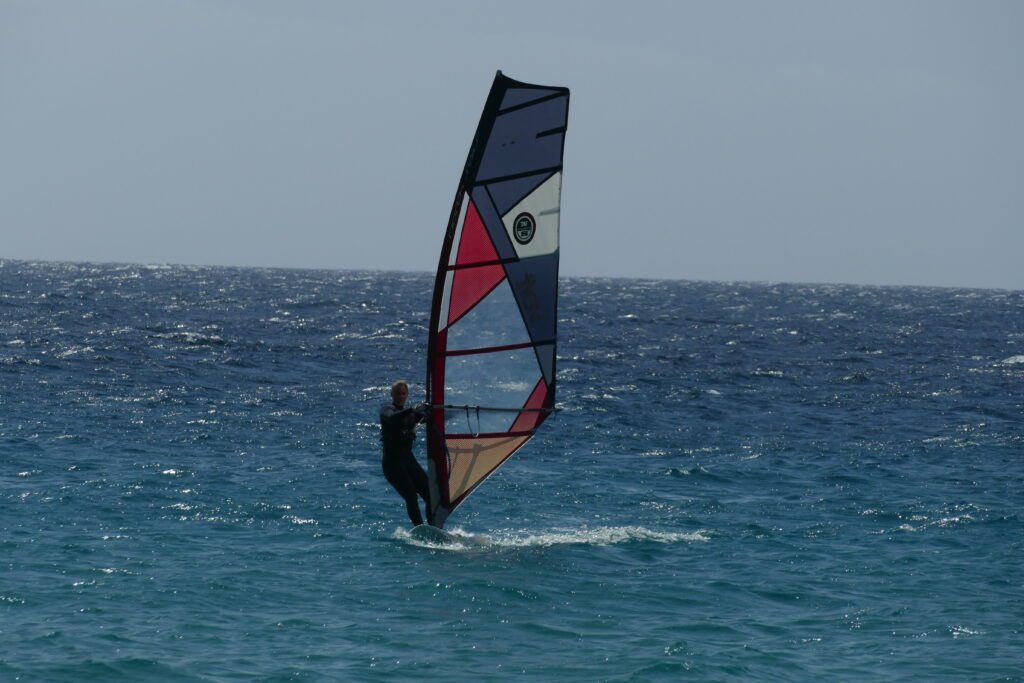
[(746, 482)]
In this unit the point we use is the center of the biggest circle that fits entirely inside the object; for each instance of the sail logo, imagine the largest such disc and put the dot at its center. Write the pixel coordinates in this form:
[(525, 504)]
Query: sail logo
[(524, 227)]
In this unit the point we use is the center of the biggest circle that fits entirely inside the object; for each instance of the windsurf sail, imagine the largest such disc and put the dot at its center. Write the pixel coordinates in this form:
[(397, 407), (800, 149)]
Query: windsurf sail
[(493, 322)]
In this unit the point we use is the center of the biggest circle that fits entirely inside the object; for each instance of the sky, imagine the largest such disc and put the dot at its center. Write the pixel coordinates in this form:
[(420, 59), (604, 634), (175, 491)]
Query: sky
[(857, 142)]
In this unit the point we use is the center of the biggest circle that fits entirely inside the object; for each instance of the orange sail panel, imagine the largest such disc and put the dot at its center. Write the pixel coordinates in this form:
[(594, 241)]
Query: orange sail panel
[(474, 459)]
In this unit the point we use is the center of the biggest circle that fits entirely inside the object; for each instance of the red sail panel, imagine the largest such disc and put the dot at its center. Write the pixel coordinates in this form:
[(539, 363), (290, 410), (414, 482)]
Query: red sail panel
[(471, 285), (475, 246), (532, 416)]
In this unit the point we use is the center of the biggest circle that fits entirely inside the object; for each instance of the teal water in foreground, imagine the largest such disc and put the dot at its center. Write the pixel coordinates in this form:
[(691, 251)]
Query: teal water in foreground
[(748, 482)]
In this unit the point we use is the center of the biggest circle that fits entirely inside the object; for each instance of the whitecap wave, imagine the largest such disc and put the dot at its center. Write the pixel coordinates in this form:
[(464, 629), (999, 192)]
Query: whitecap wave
[(958, 631), (1013, 360), (74, 351), (191, 338), (295, 519)]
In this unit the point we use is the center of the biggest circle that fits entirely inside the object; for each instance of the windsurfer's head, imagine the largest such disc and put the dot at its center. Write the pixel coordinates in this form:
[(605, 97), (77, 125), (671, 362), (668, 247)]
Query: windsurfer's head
[(399, 392)]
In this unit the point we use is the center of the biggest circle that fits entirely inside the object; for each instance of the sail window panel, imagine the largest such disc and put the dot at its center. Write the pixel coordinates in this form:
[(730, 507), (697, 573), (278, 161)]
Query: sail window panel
[(495, 321), (442, 318), (504, 379)]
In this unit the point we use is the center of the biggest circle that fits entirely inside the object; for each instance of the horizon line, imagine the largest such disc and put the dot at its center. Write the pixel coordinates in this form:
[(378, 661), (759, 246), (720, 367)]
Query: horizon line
[(808, 283)]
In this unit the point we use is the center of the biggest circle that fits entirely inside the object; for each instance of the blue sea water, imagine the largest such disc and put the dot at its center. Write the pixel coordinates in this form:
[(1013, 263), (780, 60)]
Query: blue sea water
[(748, 482)]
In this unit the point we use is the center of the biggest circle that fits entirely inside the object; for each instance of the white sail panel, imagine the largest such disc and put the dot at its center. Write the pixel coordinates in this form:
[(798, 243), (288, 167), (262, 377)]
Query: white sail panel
[(532, 224)]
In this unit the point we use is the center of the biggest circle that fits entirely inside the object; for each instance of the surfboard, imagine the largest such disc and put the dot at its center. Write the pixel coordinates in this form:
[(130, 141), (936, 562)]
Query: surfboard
[(493, 322), (424, 533), (431, 534)]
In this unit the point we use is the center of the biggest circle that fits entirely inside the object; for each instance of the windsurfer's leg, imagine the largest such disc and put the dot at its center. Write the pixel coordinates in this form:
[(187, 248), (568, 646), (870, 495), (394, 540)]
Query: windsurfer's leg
[(412, 508), (399, 478), (419, 479)]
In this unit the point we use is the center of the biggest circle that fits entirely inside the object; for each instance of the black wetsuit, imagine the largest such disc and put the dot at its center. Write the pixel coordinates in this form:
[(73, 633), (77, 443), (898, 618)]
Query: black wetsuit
[(397, 434)]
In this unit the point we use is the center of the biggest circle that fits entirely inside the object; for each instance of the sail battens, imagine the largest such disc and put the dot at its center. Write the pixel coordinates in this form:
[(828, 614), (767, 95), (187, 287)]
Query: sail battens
[(531, 103), (496, 349), (551, 131), (485, 409), (515, 176), (482, 264), (493, 323), (489, 435)]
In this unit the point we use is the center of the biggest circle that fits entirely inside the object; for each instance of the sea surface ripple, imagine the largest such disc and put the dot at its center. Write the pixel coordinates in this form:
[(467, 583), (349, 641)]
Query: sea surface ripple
[(748, 482)]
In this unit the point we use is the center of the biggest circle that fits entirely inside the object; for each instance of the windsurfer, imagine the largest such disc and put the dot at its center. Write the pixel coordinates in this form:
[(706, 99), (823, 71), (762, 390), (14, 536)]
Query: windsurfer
[(397, 435)]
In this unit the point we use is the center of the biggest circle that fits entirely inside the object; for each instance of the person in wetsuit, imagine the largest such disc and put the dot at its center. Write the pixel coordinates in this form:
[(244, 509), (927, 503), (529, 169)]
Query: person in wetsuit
[(397, 434)]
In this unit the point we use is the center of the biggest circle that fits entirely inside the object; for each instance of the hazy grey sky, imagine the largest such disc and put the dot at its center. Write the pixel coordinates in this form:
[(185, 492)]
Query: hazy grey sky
[(864, 142)]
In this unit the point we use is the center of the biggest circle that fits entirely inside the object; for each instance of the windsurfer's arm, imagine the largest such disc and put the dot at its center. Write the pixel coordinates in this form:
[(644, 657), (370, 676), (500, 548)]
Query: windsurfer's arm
[(390, 415)]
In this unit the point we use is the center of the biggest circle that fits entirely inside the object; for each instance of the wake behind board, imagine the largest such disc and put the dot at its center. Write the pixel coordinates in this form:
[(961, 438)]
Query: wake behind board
[(424, 533)]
